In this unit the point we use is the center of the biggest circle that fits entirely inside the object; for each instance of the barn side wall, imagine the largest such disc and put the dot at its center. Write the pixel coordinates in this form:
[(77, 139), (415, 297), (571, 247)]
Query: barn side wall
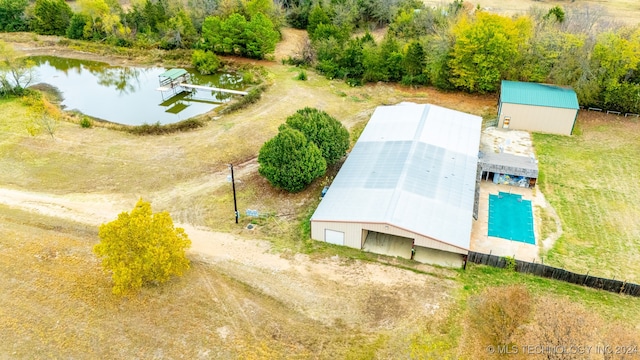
[(354, 234), (538, 118)]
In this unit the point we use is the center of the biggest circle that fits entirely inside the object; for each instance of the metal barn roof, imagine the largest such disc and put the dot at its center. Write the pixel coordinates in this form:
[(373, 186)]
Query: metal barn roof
[(413, 167), (525, 93)]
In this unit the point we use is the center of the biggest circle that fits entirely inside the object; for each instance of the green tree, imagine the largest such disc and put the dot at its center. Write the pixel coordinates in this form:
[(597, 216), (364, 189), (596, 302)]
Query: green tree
[(542, 54), (414, 60), (289, 161), (615, 57), (392, 57), (351, 60), (16, 72), (212, 34), (177, 32), (485, 50), (76, 26), (52, 17), (437, 62), (572, 62), (261, 37), (373, 64), (104, 19), (205, 62), (155, 13), (266, 8), (322, 129), (317, 16), (12, 16), (141, 248), (233, 32)]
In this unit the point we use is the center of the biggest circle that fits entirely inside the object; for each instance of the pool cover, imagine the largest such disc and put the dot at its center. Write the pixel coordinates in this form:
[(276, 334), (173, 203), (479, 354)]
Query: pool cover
[(511, 218)]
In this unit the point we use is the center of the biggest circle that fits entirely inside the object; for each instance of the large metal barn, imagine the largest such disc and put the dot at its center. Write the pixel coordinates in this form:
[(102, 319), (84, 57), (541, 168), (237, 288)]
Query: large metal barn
[(407, 188)]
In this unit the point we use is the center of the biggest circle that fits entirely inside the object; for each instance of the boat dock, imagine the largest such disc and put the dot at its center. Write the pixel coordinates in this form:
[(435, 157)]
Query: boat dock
[(200, 87)]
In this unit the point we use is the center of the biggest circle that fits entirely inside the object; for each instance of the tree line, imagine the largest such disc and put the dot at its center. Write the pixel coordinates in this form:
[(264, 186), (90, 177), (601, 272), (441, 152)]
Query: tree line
[(458, 47), (246, 27), (451, 47)]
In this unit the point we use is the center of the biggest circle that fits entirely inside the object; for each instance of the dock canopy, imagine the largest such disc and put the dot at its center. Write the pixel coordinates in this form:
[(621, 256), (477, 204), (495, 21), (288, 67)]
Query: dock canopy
[(173, 74)]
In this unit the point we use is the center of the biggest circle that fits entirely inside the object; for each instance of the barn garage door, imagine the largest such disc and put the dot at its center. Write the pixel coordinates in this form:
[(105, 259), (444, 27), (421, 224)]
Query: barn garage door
[(334, 237), (387, 244)]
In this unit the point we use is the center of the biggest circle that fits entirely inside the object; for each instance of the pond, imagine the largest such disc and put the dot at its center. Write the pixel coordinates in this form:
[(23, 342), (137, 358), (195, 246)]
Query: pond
[(129, 95)]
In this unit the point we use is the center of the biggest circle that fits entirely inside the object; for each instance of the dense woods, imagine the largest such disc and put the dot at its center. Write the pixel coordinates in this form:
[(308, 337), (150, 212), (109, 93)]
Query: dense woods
[(456, 47), (451, 47)]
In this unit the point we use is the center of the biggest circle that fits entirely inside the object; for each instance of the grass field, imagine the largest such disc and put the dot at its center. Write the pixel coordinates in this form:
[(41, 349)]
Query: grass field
[(623, 11), (591, 179), (57, 303)]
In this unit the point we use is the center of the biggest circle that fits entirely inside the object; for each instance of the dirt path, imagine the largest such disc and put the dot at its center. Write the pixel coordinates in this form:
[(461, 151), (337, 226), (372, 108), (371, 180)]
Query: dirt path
[(309, 286), (292, 43)]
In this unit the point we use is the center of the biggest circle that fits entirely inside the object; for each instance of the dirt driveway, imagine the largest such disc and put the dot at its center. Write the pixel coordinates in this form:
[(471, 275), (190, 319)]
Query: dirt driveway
[(310, 285)]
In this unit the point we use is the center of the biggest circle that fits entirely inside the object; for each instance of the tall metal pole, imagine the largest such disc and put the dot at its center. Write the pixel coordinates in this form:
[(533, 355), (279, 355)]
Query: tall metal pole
[(233, 185)]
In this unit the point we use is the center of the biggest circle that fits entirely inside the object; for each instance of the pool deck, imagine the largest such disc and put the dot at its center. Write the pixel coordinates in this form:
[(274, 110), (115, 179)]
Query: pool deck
[(483, 243)]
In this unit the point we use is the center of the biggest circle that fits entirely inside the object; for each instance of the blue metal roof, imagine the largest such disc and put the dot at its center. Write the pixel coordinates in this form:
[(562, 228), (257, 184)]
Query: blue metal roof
[(525, 93)]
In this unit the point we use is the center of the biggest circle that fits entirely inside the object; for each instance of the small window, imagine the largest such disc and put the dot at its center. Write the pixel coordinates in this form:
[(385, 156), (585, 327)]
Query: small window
[(506, 121)]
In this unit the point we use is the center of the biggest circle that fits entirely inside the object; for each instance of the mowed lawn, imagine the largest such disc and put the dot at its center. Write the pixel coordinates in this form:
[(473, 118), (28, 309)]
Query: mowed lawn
[(592, 180)]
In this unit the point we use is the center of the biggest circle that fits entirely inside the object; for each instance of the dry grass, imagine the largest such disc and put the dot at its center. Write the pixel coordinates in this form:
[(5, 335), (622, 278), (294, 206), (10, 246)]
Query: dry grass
[(625, 11), (57, 303)]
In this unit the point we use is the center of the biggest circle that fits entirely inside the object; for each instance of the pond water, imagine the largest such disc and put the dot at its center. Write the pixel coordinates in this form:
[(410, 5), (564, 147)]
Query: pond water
[(128, 95)]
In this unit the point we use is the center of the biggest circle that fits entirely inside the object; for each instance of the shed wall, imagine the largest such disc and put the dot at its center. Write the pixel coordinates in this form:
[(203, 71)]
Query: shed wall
[(353, 234), (538, 118)]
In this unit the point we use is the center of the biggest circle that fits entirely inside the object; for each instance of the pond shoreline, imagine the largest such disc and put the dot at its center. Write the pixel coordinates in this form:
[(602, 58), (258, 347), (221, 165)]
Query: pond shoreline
[(128, 94)]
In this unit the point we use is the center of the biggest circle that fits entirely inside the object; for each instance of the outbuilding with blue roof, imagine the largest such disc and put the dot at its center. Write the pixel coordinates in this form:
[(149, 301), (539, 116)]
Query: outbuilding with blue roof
[(537, 107)]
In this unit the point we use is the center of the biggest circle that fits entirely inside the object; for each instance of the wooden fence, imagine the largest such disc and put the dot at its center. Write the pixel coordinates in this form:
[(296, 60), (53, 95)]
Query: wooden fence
[(616, 286)]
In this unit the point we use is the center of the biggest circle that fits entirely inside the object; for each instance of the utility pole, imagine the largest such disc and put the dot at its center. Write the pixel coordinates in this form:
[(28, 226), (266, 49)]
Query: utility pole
[(233, 185)]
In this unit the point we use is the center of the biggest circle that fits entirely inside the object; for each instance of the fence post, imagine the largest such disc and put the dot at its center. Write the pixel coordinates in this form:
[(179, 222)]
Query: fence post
[(585, 278)]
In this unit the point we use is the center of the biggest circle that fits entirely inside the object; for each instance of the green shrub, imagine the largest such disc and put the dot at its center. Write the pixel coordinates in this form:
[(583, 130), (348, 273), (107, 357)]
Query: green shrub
[(52, 17), (510, 263), (329, 135), (254, 95), (289, 161), (85, 122), (76, 26), (302, 75), (205, 62), (158, 129)]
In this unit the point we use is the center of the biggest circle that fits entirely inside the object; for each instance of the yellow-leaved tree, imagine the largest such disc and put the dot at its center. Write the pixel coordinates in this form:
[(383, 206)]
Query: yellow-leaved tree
[(142, 248)]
